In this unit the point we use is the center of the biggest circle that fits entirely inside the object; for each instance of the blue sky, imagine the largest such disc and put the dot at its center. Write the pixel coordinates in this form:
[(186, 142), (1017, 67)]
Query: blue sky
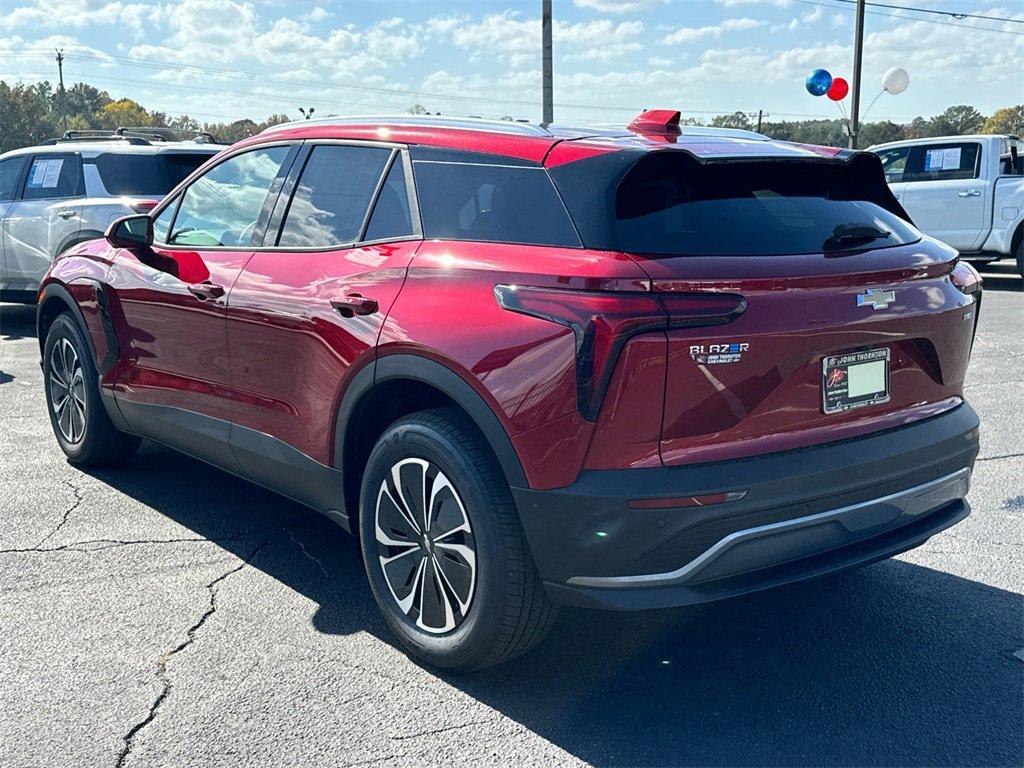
[(224, 59)]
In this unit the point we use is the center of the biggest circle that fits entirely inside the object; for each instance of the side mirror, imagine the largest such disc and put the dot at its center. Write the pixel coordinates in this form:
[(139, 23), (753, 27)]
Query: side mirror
[(130, 232)]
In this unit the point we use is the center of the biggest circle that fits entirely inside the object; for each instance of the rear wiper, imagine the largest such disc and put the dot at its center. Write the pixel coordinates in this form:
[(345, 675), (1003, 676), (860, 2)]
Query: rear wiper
[(845, 235)]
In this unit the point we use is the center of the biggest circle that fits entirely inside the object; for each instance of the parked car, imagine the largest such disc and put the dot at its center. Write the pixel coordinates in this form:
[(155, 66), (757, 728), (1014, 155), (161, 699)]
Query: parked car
[(967, 191), (68, 190), (531, 366)]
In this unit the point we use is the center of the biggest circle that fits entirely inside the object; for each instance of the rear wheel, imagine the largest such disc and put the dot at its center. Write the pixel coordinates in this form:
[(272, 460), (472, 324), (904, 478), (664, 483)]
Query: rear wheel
[(1020, 259), (443, 548), (80, 423)]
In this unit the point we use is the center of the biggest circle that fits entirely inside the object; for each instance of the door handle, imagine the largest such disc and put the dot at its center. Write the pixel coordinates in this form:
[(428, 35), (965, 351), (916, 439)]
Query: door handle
[(66, 213), (206, 291), (354, 304), (969, 193)]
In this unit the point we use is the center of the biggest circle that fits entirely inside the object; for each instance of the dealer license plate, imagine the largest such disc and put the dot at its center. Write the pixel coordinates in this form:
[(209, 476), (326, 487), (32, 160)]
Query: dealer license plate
[(855, 380)]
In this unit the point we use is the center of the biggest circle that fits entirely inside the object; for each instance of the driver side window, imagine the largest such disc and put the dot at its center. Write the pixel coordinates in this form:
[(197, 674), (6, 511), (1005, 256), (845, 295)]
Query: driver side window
[(221, 207)]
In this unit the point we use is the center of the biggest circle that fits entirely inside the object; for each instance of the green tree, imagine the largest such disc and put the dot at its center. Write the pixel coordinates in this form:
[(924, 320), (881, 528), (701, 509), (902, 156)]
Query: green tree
[(878, 133), (734, 120), (84, 102), (26, 115), (956, 121), (1006, 120)]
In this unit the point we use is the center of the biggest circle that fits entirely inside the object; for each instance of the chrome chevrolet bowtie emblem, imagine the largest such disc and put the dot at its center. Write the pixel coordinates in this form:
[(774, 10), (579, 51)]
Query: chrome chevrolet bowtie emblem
[(875, 298)]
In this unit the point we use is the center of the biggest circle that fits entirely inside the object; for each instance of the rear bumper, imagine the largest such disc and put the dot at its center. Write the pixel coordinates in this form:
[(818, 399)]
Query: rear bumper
[(802, 514)]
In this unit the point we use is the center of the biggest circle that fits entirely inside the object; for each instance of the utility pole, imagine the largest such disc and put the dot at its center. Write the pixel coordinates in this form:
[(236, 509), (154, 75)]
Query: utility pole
[(858, 54), (547, 81), (308, 114), (62, 99), (760, 114)]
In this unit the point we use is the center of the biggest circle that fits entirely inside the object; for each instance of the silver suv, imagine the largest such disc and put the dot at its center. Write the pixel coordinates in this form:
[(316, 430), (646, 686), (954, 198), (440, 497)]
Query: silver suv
[(67, 190)]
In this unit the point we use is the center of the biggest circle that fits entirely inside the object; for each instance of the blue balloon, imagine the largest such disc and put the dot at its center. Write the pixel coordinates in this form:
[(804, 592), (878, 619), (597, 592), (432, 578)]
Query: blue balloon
[(818, 82)]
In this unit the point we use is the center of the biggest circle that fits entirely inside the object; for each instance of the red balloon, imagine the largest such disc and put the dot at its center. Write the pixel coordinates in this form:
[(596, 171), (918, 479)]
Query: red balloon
[(839, 89)]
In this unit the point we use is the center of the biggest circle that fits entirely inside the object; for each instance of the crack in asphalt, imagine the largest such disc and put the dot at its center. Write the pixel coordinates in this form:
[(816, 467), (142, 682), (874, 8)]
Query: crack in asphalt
[(307, 554), (165, 658), (77, 491), (98, 545), (432, 731), (1002, 456)]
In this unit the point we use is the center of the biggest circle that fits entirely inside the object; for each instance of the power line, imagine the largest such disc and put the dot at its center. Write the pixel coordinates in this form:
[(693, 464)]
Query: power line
[(952, 14), (291, 83), (911, 18)]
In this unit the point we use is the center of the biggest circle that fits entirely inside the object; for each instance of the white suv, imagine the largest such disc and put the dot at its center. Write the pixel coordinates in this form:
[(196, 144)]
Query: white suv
[(67, 190)]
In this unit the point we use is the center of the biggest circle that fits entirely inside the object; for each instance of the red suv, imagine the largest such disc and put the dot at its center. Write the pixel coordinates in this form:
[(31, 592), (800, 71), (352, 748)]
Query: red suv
[(536, 365)]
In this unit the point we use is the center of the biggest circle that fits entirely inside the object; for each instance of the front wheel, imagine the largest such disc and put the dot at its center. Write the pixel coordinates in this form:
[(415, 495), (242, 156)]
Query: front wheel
[(444, 552)]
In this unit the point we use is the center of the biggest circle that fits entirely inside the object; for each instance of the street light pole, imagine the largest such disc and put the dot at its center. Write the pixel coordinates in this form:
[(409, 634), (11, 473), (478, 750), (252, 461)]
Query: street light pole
[(858, 54), (547, 81)]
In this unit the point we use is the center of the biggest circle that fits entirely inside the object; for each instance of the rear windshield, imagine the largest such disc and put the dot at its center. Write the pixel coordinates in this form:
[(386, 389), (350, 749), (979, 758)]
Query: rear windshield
[(671, 205), (151, 175)]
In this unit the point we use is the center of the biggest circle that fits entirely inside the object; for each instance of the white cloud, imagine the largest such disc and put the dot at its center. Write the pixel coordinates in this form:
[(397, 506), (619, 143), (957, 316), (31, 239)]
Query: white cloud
[(692, 34), (618, 6), (80, 13)]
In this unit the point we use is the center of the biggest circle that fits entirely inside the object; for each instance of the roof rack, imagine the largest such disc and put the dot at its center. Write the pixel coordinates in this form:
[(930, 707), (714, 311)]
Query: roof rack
[(165, 134), (142, 135), (94, 135)]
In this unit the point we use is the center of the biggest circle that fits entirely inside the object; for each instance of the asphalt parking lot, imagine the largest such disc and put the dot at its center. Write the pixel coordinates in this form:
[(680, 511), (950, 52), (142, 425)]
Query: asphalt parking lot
[(165, 613)]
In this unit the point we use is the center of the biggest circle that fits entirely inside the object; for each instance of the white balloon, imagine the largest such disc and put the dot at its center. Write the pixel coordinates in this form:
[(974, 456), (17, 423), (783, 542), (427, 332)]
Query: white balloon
[(895, 80)]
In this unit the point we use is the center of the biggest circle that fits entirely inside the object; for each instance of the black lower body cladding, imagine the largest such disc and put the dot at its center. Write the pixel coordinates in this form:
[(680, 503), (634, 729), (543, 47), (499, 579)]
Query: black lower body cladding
[(803, 513)]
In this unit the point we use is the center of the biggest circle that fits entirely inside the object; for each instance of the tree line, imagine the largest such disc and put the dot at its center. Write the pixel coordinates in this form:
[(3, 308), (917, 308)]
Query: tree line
[(31, 113)]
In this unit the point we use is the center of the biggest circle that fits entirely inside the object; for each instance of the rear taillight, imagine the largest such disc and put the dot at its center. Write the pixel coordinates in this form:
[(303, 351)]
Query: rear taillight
[(603, 321), (143, 206), (965, 277)]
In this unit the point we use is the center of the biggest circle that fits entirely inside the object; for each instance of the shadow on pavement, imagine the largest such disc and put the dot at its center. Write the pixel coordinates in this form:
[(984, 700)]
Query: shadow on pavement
[(892, 665), (1001, 276), (17, 321)]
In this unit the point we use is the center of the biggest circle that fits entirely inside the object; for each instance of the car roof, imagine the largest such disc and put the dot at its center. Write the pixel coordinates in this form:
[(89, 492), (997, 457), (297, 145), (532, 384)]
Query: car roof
[(943, 140), (538, 143), (94, 147)]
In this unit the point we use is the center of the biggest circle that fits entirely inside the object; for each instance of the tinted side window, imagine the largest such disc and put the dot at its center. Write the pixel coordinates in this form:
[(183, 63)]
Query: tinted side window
[(390, 217), (10, 169), (501, 204), (53, 176), (894, 163), (223, 206), (333, 195), (940, 162)]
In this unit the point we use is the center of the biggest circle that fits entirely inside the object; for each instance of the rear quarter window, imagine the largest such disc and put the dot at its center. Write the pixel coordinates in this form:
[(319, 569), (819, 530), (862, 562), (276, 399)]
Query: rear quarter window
[(138, 174), (491, 203)]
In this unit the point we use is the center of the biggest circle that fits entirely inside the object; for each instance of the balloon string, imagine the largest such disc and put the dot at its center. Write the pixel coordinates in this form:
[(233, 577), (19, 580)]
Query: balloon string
[(872, 104)]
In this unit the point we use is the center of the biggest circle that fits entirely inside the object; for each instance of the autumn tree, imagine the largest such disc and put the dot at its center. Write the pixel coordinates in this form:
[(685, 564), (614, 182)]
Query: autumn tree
[(1006, 120)]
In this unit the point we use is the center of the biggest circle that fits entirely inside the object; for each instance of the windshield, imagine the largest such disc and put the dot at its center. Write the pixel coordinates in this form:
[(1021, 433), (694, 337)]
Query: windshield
[(151, 175), (751, 209)]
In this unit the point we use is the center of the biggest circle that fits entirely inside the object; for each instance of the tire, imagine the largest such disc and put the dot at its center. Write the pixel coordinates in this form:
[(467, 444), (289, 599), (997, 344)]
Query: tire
[(1020, 259), (480, 601), (77, 415)]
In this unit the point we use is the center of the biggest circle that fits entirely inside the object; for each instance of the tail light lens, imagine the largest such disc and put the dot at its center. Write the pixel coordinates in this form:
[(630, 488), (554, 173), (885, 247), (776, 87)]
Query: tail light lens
[(966, 278), (143, 206), (602, 322)]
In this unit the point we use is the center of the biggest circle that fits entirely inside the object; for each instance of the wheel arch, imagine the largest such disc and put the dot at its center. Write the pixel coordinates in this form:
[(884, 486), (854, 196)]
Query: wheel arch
[(399, 384), (55, 299), (78, 238)]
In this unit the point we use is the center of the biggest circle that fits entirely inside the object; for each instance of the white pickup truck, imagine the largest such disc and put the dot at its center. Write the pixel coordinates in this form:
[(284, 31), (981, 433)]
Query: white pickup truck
[(967, 191)]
